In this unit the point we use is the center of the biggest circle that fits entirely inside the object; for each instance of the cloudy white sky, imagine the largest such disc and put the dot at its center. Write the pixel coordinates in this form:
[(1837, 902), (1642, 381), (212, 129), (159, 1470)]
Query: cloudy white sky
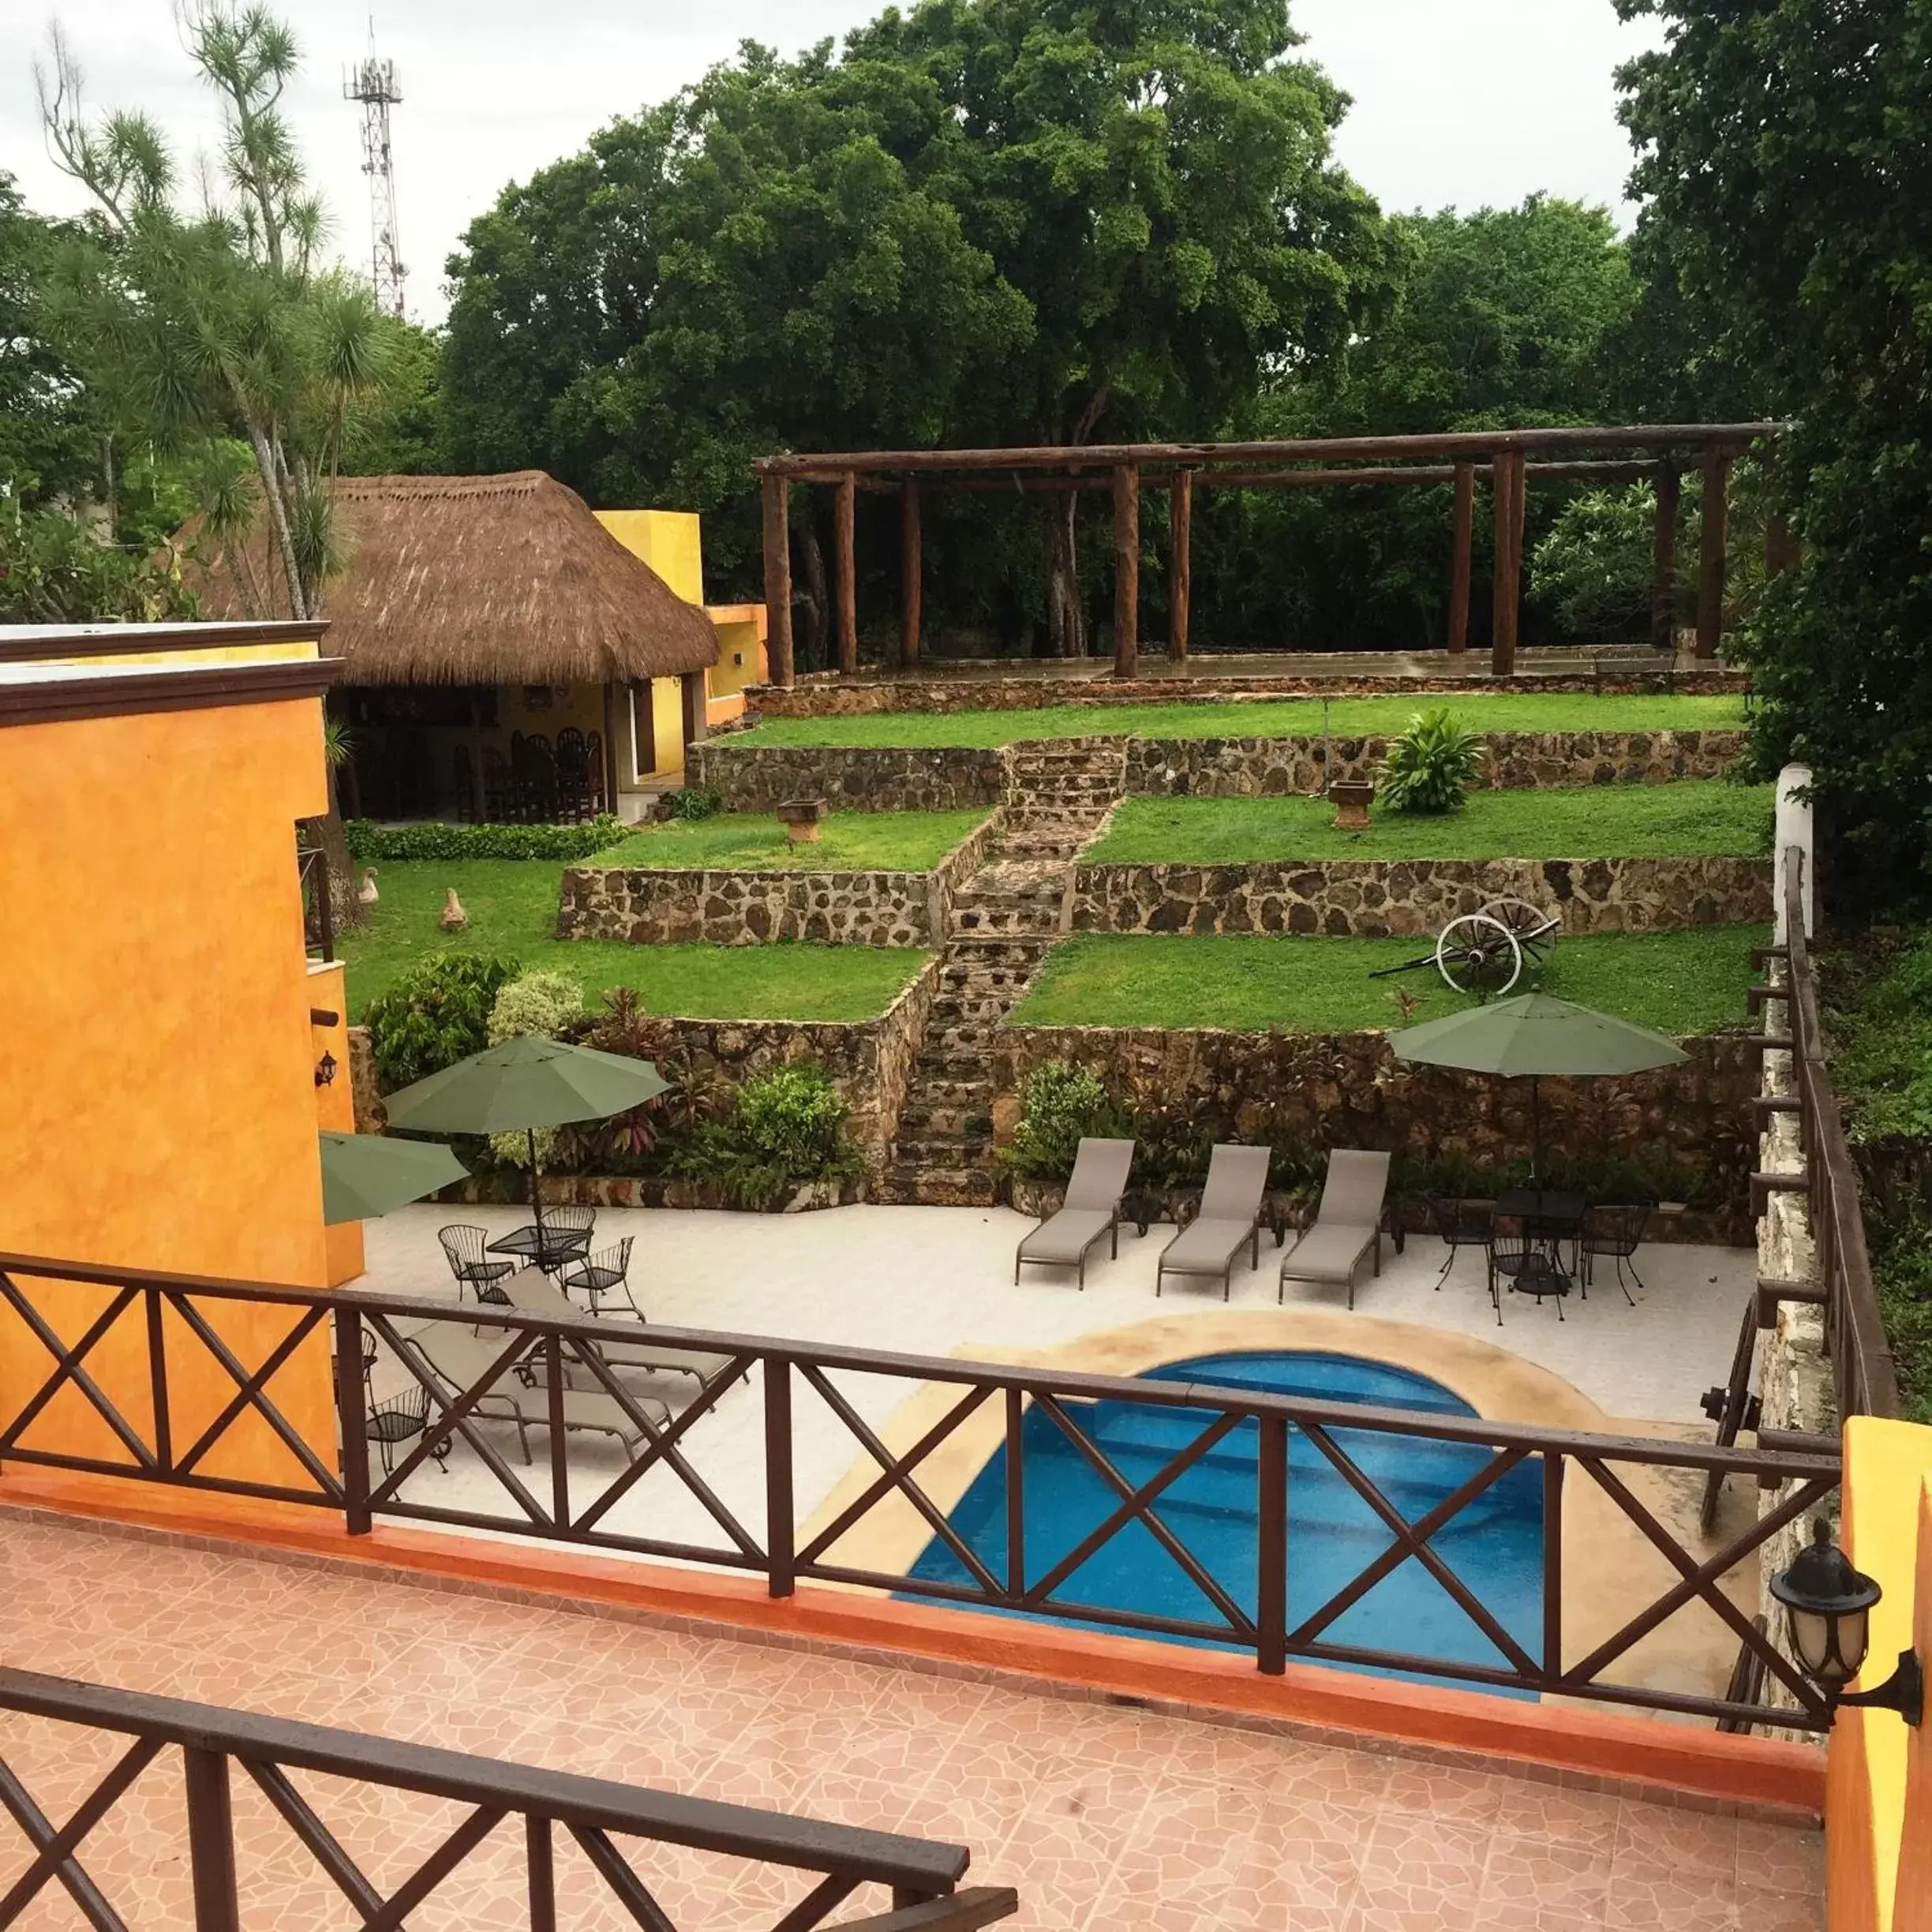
[(1458, 103)]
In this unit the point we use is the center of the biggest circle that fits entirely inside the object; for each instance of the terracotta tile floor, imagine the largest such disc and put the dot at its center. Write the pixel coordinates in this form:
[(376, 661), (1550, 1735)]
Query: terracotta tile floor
[(1103, 1816)]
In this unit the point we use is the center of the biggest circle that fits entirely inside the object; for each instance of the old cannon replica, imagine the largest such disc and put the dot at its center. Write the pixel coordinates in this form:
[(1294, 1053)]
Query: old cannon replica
[(1484, 952)]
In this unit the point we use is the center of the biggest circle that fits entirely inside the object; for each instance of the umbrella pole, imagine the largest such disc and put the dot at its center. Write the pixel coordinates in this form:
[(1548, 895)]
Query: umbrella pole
[(536, 1192), (1536, 1134)]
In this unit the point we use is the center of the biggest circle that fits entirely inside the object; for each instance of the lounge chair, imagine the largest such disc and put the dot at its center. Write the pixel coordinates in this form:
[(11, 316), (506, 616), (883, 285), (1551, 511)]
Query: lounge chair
[(1229, 1219), (460, 1360), (533, 1291), (1348, 1223), (1092, 1209)]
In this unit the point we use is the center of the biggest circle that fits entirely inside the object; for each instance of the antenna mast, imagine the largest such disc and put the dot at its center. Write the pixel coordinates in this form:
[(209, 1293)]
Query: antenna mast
[(373, 84)]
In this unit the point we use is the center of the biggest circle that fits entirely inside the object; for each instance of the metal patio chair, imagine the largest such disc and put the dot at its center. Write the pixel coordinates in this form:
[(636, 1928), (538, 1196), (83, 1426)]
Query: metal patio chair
[(1613, 1231), (1523, 1258), (575, 1225), (401, 1419), (1460, 1224), (468, 1253), (603, 1277)]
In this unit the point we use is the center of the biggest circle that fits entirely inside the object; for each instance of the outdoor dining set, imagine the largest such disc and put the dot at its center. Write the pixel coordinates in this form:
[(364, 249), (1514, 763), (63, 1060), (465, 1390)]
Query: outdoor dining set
[(1537, 1242)]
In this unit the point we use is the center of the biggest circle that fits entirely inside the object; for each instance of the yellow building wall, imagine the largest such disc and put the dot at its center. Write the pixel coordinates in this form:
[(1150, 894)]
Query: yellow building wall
[(1869, 1817), (741, 659), (670, 541), (158, 1106)]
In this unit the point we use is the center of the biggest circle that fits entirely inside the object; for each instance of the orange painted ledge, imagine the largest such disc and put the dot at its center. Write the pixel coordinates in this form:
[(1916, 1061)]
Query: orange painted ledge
[(1679, 1757)]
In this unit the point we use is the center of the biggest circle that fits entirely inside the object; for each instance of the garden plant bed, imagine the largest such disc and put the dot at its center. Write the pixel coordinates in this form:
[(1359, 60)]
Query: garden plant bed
[(956, 723), (1688, 818), (886, 841), (512, 905), (1679, 982)]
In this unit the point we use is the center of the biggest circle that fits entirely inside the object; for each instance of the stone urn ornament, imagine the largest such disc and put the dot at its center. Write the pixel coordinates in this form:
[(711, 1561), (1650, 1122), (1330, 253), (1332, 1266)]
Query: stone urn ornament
[(801, 818), (1351, 798)]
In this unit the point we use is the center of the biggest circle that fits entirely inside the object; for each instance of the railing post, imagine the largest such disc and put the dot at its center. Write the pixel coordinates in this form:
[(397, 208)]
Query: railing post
[(352, 1420), (1016, 1493), (780, 1527), (559, 1436), (211, 1841), (1271, 1545), (1553, 1564), (158, 1382), (541, 1863)]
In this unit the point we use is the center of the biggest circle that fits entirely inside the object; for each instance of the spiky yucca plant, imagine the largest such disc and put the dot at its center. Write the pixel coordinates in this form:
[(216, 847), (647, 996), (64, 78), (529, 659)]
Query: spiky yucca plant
[(1429, 765)]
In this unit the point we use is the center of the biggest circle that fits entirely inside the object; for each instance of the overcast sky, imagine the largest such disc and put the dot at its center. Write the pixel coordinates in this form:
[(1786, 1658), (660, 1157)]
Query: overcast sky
[(1458, 103)]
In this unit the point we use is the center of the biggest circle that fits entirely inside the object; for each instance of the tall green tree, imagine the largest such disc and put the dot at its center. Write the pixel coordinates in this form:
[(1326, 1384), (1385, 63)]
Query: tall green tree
[(197, 327), (1784, 153)]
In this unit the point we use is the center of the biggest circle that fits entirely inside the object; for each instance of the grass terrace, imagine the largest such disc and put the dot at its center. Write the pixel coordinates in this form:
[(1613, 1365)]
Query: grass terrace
[(512, 904), (1679, 982), (909, 841), (1351, 717), (1690, 818)]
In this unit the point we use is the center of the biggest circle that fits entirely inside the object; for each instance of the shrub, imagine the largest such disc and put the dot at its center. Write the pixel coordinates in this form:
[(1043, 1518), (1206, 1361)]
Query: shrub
[(690, 803), (437, 1013), (1062, 1104), (539, 1002), (782, 1130), (371, 844), (1429, 765)]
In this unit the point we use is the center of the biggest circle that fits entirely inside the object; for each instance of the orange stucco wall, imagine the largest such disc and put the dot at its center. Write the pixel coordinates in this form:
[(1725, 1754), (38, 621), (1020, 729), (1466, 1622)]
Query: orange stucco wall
[(158, 1106), (1912, 1909)]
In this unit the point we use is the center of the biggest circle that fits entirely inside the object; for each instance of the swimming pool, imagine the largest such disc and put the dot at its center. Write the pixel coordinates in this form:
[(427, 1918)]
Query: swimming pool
[(1495, 1546)]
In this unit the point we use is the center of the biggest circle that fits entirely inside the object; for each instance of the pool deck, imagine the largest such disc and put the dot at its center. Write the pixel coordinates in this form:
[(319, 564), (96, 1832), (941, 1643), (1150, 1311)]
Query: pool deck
[(1107, 1818)]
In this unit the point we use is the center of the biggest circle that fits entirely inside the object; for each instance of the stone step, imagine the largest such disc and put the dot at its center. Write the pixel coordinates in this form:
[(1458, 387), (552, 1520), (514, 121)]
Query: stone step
[(943, 1152), (909, 1185), (994, 949), (966, 1122), (942, 1090), (1006, 922)]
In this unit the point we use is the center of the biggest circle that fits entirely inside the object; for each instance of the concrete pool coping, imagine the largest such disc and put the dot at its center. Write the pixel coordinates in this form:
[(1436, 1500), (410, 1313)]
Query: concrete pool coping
[(1611, 1570)]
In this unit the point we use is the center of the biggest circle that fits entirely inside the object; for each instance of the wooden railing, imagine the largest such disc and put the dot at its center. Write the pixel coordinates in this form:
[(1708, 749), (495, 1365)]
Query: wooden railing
[(835, 1860), (523, 1372), (318, 913), (1865, 1379)]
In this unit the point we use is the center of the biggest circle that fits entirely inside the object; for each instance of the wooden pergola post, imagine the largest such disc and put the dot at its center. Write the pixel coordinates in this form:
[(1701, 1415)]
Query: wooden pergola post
[(776, 491), (1180, 587), (911, 572), (1664, 560), (1506, 486), (1462, 533), (1126, 569), (844, 526), (1712, 550)]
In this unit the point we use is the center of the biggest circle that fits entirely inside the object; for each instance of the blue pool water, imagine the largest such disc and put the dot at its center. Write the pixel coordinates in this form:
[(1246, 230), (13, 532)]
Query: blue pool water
[(1494, 1546)]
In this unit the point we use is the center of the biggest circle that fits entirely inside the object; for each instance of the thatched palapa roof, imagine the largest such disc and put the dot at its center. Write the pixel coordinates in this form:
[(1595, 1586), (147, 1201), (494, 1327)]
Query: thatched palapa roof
[(486, 580)]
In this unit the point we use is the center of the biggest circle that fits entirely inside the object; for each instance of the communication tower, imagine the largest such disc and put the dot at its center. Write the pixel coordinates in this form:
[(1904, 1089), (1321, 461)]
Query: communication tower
[(373, 83)]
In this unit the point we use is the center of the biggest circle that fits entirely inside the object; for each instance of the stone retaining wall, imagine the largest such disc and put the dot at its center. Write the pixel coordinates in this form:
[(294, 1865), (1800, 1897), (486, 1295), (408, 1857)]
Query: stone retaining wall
[(669, 906), (849, 778), (829, 696), (754, 777), (1374, 898), (1275, 767), (1316, 1091)]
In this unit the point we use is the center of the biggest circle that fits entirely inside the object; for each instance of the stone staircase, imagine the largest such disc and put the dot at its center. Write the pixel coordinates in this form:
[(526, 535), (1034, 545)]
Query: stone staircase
[(1004, 920)]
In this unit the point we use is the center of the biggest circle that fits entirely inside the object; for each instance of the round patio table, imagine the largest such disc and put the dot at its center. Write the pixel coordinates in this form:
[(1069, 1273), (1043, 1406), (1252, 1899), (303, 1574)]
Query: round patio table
[(548, 1247)]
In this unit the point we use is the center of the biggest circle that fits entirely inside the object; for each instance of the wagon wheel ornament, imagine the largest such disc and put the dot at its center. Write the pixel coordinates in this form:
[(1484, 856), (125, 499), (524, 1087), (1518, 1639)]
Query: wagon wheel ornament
[(1478, 953)]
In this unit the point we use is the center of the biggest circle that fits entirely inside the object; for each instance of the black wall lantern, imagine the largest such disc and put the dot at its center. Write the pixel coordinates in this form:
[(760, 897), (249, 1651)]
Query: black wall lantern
[(1828, 1604), (325, 1070)]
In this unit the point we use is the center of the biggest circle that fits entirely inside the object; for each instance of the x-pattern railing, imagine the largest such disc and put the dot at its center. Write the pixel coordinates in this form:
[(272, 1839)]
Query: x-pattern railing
[(594, 1814), (535, 1357)]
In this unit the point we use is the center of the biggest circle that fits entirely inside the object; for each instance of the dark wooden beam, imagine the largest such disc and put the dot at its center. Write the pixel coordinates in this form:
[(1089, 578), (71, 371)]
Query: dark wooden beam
[(1126, 570), (1462, 534), (845, 596), (1180, 582), (775, 490), (1711, 551), (911, 571)]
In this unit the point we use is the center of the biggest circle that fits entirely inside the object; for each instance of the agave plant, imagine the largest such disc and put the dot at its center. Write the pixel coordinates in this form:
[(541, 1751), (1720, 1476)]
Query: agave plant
[(1429, 765)]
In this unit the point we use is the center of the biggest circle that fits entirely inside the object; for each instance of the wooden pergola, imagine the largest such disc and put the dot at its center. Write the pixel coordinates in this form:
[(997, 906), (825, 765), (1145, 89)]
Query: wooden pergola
[(1504, 460)]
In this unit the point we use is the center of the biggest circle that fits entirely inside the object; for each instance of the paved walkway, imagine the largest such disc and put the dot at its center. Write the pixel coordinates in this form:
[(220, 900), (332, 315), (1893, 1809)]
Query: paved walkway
[(1105, 1818)]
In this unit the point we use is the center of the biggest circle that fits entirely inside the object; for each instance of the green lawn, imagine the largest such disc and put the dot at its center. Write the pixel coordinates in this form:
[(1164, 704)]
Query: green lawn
[(755, 841), (1679, 982), (1507, 711), (1692, 817), (512, 905)]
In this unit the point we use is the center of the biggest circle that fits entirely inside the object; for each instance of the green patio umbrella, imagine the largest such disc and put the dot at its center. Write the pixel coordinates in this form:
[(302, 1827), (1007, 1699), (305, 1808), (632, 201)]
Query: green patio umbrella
[(1533, 1037), (525, 1084), (365, 1175)]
